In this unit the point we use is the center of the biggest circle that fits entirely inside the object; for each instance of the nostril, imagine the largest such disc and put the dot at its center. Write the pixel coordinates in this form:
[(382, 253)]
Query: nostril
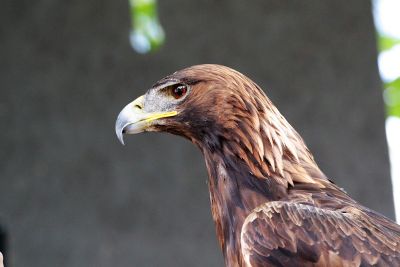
[(138, 106)]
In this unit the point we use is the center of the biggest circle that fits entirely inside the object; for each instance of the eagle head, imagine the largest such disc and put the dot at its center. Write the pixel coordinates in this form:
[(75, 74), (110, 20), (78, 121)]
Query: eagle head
[(203, 103), (222, 112)]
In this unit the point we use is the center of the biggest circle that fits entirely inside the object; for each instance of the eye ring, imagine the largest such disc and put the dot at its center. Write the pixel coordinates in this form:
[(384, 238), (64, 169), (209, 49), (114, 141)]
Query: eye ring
[(179, 90)]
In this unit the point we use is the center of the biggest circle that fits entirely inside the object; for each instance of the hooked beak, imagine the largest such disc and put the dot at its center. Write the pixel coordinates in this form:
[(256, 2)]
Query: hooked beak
[(133, 119)]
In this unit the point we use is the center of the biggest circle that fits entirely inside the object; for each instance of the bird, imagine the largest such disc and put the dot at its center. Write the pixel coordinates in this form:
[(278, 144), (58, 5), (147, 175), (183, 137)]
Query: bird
[(270, 202)]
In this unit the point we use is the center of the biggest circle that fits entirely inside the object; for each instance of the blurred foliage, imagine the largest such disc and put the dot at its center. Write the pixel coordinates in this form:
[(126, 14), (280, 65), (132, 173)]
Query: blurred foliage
[(391, 92), (147, 34), (387, 42), (392, 97)]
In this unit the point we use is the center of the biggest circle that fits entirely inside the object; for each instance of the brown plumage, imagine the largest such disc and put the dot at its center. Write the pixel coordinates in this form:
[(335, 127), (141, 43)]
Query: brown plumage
[(271, 204)]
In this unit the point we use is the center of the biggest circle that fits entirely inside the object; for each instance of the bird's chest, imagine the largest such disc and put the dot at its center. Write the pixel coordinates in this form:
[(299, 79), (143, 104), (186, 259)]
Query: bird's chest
[(228, 221), (231, 203), (234, 193)]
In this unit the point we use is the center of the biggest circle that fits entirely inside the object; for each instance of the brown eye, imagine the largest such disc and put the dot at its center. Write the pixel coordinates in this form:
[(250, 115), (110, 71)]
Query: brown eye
[(179, 91)]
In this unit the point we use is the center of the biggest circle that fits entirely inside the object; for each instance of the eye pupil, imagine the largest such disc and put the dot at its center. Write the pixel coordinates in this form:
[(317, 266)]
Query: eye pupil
[(179, 91)]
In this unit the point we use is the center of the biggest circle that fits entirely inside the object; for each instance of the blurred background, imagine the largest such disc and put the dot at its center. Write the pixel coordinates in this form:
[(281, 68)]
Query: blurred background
[(71, 195)]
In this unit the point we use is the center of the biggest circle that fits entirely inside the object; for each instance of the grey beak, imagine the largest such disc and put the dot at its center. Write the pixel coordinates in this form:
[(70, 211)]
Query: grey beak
[(131, 119)]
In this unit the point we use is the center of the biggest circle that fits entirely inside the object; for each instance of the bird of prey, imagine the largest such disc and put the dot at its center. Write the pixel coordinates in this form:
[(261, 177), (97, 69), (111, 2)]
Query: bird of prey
[(271, 204)]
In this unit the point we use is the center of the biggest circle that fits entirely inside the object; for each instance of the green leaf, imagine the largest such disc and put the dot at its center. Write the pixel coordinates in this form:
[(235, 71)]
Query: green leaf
[(391, 95), (387, 42), (147, 34)]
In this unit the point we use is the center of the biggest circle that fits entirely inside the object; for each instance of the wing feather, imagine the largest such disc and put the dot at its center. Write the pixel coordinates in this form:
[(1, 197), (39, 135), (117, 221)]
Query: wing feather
[(281, 233)]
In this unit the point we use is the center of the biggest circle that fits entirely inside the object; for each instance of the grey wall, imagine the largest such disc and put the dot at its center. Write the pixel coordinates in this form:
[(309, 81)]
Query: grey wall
[(71, 195)]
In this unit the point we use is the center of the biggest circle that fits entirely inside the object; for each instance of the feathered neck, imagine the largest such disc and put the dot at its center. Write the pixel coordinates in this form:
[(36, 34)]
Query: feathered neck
[(256, 161), (252, 153), (255, 140)]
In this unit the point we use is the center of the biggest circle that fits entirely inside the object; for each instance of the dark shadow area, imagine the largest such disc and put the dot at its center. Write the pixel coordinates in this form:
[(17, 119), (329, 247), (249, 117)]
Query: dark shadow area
[(4, 245)]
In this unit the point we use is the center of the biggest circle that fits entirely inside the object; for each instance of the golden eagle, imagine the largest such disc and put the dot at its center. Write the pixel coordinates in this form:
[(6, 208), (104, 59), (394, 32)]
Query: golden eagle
[(271, 204)]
